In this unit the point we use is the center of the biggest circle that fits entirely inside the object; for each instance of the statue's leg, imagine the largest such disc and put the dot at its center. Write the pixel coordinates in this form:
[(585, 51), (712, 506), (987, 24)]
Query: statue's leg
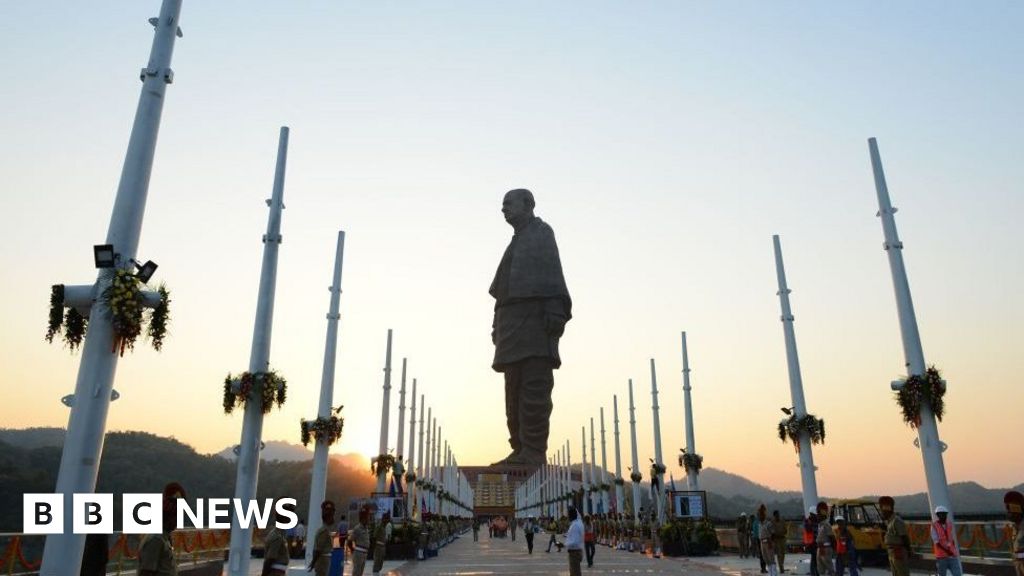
[(512, 374), (535, 407)]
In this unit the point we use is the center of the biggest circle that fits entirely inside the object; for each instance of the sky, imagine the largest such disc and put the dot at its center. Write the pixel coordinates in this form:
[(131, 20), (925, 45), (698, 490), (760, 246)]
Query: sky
[(665, 143)]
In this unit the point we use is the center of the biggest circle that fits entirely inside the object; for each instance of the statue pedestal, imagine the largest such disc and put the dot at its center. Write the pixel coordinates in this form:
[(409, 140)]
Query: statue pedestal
[(494, 487)]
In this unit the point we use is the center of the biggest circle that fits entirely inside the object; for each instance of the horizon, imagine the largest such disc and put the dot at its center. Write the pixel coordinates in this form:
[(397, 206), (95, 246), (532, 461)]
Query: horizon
[(664, 143)]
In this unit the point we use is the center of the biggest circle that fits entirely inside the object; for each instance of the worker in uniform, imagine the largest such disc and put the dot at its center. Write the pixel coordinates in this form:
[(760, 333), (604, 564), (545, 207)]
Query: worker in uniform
[(1014, 502), (896, 539), (381, 537), (944, 546), (322, 540), (358, 543), (275, 550), (780, 532), (743, 535), (810, 535), (156, 554), (824, 539)]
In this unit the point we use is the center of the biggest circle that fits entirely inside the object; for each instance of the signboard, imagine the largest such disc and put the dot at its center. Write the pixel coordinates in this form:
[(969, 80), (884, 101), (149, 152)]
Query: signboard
[(686, 504)]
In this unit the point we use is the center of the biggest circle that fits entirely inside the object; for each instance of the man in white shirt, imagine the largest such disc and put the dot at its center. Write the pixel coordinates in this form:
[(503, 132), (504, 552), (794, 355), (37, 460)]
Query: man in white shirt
[(574, 543)]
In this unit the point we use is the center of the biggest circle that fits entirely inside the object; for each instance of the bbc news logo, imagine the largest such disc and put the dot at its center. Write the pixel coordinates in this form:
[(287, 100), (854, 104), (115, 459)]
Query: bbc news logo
[(144, 513)]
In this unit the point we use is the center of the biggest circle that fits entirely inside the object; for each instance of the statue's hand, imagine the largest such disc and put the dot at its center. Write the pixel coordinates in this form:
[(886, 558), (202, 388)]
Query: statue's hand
[(554, 324)]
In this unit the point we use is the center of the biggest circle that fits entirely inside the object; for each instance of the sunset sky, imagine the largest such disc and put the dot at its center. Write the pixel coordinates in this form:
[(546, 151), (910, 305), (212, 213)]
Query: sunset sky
[(665, 143)]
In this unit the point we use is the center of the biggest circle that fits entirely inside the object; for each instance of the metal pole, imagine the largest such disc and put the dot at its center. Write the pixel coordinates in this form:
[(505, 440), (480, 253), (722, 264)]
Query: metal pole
[(796, 386), (692, 475), (618, 456), (259, 361), (636, 460), (381, 480), (427, 456), (659, 505), (593, 468), (87, 423), (410, 488), (604, 467), (927, 431), (583, 472), (318, 485), (400, 451)]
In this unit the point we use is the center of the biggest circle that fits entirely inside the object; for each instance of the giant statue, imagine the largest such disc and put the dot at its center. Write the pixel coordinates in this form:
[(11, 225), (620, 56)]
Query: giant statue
[(531, 307)]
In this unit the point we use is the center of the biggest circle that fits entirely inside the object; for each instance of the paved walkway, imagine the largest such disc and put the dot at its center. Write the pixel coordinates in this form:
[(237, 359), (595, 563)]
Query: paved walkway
[(503, 557)]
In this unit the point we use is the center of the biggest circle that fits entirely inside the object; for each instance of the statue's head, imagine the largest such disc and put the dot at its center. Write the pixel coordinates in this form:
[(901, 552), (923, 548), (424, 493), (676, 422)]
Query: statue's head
[(518, 206)]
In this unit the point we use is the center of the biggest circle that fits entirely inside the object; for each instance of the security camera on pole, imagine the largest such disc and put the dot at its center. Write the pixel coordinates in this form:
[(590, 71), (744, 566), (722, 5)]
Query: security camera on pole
[(94, 386), (926, 379)]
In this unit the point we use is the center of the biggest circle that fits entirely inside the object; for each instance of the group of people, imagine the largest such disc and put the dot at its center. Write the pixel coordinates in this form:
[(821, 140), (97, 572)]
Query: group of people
[(832, 549)]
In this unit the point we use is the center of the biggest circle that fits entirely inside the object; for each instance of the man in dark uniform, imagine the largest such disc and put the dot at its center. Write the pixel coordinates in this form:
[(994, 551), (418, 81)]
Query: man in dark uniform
[(275, 550), (322, 541), (896, 539), (156, 555), (531, 308), (1014, 502), (358, 543)]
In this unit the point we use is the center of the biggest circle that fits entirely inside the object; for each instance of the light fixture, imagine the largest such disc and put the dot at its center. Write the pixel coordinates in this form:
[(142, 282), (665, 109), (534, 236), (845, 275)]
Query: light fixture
[(145, 271), (788, 411), (103, 255)]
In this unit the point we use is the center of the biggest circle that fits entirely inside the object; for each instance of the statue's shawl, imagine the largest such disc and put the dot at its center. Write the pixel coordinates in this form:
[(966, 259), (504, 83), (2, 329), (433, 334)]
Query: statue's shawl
[(534, 270)]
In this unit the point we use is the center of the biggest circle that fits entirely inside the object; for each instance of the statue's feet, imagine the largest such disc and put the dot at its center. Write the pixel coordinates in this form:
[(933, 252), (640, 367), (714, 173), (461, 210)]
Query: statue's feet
[(510, 460)]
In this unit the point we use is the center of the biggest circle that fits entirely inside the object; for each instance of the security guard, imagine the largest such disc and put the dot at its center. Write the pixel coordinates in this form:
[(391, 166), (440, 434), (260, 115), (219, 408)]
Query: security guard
[(275, 551), (156, 555), (381, 536), (322, 540), (358, 543), (1014, 502), (896, 540)]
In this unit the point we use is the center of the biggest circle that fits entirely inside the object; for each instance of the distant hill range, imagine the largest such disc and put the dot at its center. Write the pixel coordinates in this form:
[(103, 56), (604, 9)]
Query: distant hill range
[(142, 462), (135, 462)]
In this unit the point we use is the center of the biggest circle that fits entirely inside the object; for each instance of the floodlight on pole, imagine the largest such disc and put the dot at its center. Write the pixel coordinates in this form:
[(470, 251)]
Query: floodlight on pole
[(103, 255), (145, 271)]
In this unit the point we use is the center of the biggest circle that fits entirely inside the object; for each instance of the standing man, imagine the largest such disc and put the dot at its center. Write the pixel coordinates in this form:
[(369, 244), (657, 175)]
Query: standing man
[(156, 555), (381, 537), (1014, 502), (553, 530), (476, 529), (514, 524), (743, 535), (765, 538), (896, 539), (846, 551), (779, 534), (947, 553), (826, 559), (275, 550), (358, 543), (322, 541), (529, 529), (574, 543), (811, 537), (531, 307)]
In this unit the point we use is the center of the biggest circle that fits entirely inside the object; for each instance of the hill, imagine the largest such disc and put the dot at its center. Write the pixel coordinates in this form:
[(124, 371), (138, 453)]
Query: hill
[(141, 462)]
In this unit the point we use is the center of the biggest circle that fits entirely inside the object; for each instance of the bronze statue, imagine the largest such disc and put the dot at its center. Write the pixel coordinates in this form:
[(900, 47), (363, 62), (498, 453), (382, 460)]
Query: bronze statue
[(531, 307)]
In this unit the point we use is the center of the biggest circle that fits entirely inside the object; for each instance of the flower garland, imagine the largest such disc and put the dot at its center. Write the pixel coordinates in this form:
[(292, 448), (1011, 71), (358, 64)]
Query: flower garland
[(410, 478), (789, 429), (619, 482), (919, 390), (124, 299), (692, 462), (604, 487), (636, 477), (75, 326), (382, 464), (326, 429), (71, 323), (158, 318), (272, 388), (657, 469)]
